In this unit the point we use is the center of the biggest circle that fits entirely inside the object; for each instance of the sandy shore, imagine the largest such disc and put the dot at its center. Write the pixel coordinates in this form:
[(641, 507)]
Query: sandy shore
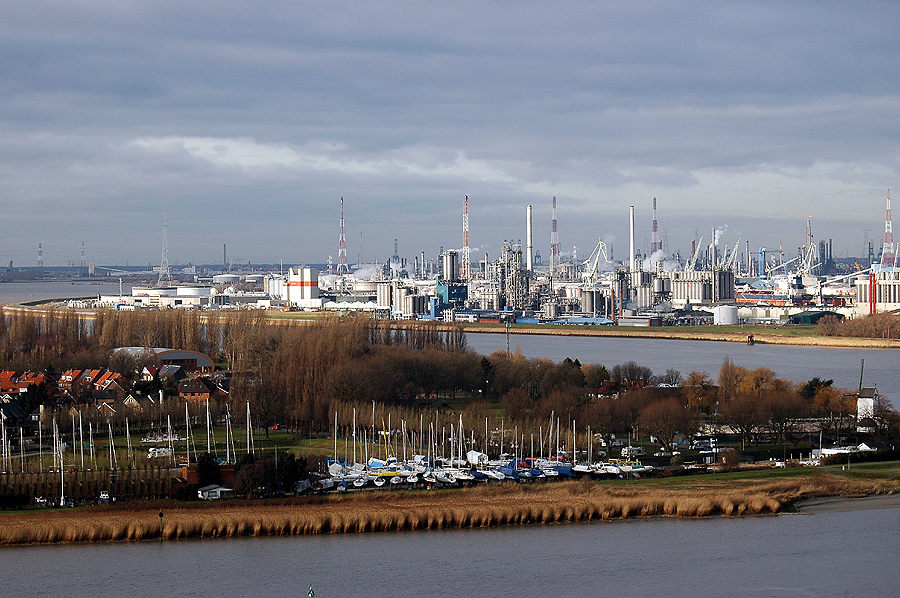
[(840, 504)]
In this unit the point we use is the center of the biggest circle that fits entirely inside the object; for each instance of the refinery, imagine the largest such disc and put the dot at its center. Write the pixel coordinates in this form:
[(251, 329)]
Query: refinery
[(713, 284)]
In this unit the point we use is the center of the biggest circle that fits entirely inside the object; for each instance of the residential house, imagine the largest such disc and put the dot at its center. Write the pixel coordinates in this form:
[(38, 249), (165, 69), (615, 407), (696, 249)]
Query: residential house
[(199, 390), (13, 383), (68, 379), (113, 382), (11, 412)]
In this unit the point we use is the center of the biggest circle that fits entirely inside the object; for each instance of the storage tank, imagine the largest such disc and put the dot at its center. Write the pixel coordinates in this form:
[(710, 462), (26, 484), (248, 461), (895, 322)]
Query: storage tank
[(725, 315), (226, 279), (551, 310), (587, 302), (384, 294)]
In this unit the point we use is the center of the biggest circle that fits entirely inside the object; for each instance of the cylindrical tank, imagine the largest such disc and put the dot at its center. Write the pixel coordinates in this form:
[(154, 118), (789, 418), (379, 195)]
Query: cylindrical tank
[(725, 315), (587, 302), (551, 310), (383, 295), (226, 279), (451, 265)]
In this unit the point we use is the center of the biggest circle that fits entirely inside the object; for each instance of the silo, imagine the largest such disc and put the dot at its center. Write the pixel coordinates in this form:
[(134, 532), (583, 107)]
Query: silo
[(659, 286), (384, 291), (551, 310), (451, 265), (587, 302)]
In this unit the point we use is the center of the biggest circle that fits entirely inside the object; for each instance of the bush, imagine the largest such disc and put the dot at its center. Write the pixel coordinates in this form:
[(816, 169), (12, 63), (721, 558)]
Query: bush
[(13, 501), (730, 459), (188, 492)]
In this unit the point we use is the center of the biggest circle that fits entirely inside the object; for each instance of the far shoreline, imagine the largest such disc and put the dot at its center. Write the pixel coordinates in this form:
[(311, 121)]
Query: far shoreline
[(760, 336)]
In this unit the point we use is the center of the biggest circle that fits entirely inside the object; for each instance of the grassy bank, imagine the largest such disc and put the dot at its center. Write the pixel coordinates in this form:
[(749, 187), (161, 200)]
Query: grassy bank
[(728, 495)]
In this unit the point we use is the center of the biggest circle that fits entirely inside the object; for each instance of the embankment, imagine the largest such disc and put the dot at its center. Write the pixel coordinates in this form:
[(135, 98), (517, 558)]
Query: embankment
[(506, 504)]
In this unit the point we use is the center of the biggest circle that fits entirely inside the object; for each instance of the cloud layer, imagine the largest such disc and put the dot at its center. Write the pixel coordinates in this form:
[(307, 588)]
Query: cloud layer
[(245, 124)]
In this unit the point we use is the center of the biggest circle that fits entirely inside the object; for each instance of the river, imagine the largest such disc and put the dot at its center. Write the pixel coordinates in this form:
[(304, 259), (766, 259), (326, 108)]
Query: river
[(20, 292), (829, 554), (796, 363)]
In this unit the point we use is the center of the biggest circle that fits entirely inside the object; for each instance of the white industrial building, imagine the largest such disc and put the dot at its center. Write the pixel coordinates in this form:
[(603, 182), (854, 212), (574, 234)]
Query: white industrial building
[(163, 298), (300, 288), (878, 292)]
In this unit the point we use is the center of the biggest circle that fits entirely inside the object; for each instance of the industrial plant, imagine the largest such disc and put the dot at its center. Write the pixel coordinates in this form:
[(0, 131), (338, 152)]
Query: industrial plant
[(715, 283)]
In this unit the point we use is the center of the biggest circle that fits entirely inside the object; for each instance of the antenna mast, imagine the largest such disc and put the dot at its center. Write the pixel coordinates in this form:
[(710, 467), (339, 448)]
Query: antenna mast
[(164, 264), (342, 267), (887, 251), (466, 273), (655, 244), (554, 245)]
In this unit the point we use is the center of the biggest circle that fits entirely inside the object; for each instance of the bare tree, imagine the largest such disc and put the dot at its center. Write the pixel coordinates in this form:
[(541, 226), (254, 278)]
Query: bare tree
[(744, 414), (667, 419)]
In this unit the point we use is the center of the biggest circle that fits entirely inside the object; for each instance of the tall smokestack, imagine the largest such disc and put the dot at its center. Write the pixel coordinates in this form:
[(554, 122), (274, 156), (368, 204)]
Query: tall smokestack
[(529, 247), (631, 256)]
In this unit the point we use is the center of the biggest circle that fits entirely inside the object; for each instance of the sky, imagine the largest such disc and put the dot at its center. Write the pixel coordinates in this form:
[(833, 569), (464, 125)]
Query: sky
[(243, 124)]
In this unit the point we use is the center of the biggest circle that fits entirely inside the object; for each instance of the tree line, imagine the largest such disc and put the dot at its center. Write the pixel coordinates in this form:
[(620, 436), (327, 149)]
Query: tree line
[(301, 374)]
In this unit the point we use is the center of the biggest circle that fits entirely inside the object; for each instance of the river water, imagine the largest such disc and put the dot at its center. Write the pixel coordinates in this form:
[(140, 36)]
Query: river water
[(829, 554), (20, 292), (796, 363)]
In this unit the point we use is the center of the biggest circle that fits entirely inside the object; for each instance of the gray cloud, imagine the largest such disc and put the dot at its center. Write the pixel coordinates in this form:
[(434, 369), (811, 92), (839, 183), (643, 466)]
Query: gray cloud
[(246, 123)]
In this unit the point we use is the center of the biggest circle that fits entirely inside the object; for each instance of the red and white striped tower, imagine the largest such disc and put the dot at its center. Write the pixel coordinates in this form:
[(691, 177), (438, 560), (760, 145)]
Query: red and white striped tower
[(655, 244), (888, 258), (466, 266), (342, 266)]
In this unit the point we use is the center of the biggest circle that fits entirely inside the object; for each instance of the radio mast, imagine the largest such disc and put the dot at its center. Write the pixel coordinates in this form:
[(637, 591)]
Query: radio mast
[(164, 263), (342, 266), (466, 273), (887, 251)]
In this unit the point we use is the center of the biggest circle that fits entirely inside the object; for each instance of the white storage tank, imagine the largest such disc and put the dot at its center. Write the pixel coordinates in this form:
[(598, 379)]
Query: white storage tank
[(725, 315)]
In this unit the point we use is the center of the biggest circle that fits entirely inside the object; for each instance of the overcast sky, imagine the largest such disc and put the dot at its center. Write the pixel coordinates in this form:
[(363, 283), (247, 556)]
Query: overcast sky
[(245, 122)]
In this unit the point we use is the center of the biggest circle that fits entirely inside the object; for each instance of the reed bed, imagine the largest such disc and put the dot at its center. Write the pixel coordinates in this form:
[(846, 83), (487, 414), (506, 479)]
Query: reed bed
[(470, 508)]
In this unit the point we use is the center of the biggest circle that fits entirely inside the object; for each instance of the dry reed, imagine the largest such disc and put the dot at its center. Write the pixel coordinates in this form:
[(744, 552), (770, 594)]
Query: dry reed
[(490, 506)]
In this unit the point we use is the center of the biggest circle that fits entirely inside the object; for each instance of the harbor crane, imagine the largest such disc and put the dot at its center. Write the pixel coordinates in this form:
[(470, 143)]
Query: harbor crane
[(589, 274), (692, 263), (729, 262)]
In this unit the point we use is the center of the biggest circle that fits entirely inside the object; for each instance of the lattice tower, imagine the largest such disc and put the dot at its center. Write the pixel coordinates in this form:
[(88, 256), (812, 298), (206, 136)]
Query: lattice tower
[(655, 244), (887, 251), (466, 265), (342, 266), (164, 262)]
